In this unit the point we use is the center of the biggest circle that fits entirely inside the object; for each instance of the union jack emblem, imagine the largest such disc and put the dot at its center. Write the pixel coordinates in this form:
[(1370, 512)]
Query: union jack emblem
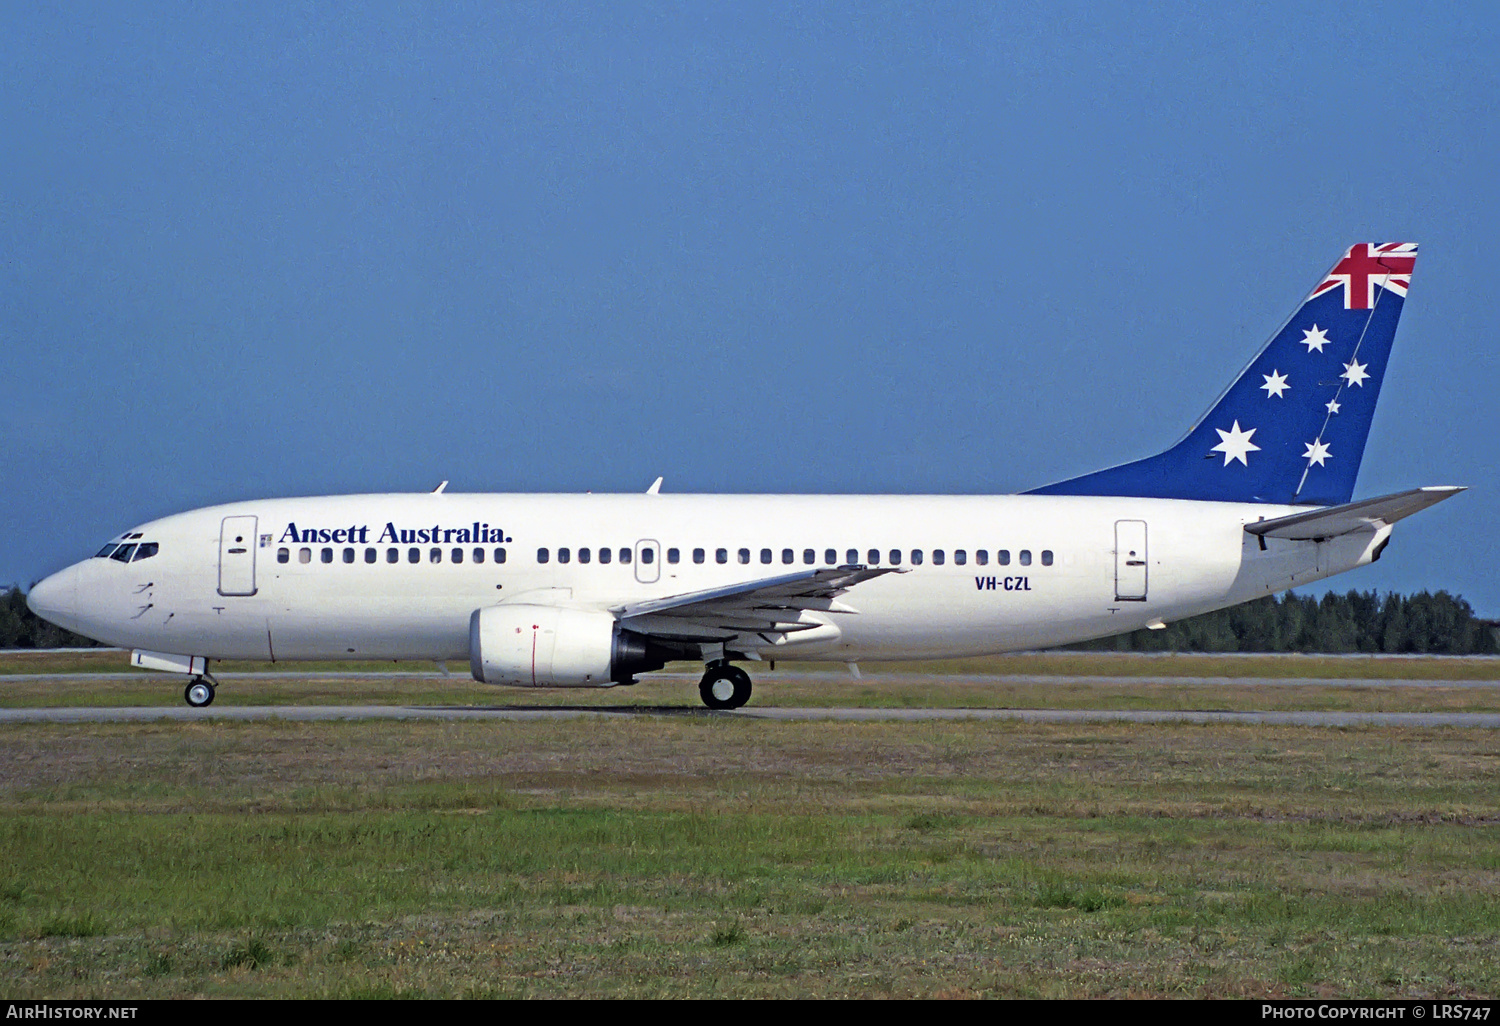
[(1367, 265)]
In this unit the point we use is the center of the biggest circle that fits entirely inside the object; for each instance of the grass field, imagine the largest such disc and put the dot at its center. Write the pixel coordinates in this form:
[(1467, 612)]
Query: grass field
[(724, 857), (717, 856)]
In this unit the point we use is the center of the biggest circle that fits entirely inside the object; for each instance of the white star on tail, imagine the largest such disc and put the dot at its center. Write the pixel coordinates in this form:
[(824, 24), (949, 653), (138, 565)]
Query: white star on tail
[(1275, 384), (1317, 453), (1235, 444), (1316, 339), (1333, 406), (1354, 373)]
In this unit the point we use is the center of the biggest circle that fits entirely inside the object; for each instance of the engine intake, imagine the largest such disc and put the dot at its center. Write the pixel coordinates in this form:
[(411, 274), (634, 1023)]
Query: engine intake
[(549, 646)]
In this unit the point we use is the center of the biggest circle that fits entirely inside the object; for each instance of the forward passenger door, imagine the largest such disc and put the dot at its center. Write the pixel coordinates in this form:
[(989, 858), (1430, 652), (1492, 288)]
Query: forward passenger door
[(237, 556)]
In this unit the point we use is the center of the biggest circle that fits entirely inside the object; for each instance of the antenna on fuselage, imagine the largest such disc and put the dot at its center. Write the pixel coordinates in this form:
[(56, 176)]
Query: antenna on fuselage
[(439, 489), (655, 488)]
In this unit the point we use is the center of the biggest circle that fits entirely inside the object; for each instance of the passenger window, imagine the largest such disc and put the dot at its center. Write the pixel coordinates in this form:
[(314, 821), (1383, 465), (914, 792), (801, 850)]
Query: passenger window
[(874, 557), (937, 557), (1046, 557), (765, 555), (434, 555), (479, 555), (744, 555), (541, 555), (146, 551), (809, 556), (392, 555), (698, 555), (982, 557), (458, 555), (304, 555), (624, 554), (348, 555), (895, 557), (282, 555), (672, 555), (585, 554), (414, 555), (830, 556), (916, 557), (500, 556), (853, 557), (960, 557), (369, 555), (721, 555), (1025, 557), (564, 555), (604, 554), (1002, 556), (787, 555), (328, 555), (648, 555)]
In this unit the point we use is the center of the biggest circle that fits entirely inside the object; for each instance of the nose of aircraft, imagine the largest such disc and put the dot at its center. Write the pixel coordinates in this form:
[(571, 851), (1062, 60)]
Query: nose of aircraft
[(55, 598)]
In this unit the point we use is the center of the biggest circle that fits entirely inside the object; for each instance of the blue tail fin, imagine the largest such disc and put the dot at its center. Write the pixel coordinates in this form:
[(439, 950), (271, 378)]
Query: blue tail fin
[(1292, 427)]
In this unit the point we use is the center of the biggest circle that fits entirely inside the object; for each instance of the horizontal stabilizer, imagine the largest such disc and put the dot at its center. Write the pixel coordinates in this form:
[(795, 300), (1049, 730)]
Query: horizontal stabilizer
[(1355, 516)]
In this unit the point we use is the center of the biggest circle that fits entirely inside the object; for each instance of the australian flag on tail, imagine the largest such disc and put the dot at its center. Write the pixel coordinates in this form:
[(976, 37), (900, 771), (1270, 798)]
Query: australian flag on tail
[(1292, 427)]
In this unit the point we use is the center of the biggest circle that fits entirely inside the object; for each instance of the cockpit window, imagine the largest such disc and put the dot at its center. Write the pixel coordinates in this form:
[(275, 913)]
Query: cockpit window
[(125, 553)]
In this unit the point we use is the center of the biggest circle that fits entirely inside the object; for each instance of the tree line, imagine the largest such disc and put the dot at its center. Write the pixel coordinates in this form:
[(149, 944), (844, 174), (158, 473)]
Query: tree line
[(1359, 621), (21, 628)]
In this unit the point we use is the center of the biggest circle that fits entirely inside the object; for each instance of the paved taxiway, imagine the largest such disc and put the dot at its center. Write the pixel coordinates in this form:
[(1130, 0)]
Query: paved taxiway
[(833, 679), (137, 714), (553, 712)]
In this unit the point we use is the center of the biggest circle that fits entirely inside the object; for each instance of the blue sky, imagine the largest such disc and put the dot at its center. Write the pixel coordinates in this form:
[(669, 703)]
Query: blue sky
[(889, 248)]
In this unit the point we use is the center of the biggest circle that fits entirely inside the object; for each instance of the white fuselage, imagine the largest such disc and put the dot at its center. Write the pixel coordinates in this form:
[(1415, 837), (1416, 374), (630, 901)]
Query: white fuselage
[(374, 576)]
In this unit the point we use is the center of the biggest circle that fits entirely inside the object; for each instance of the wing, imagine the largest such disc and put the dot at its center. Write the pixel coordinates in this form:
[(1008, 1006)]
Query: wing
[(771, 609)]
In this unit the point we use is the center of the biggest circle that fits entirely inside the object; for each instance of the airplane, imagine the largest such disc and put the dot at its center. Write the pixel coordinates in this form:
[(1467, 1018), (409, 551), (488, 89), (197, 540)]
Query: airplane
[(540, 590)]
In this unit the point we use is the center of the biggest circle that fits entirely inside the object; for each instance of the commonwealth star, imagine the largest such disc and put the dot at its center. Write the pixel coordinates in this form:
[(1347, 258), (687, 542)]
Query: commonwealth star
[(1235, 444)]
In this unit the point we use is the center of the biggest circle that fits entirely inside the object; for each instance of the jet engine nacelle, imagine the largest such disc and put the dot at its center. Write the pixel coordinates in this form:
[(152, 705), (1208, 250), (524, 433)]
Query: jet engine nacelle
[(549, 646)]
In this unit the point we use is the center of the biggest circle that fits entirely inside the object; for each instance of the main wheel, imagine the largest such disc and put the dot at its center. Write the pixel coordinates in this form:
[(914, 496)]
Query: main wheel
[(725, 687), (199, 693)]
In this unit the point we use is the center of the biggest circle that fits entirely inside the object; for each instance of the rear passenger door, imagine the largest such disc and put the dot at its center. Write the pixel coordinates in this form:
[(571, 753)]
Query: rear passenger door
[(1130, 561)]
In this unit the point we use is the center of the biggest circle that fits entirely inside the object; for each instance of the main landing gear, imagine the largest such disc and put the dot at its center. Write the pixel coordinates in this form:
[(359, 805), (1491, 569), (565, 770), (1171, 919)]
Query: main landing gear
[(724, 686), (200, 692)]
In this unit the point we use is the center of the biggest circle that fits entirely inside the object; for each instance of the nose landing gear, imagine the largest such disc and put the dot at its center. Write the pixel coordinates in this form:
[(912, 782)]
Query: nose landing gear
[(724, 686), (200, 692)]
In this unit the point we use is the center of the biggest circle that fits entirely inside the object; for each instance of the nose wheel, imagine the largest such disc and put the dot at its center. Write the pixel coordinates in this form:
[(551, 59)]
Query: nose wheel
[(725, 687), (199, 693)]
